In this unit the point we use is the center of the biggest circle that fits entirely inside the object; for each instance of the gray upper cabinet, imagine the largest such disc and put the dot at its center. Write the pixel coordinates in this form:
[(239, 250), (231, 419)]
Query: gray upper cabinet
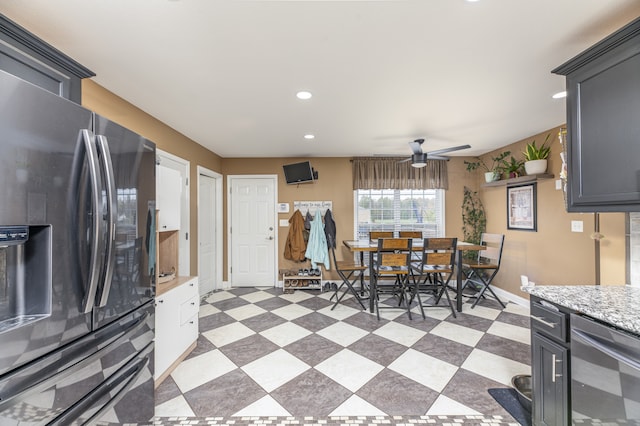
[(603, 124), (30, 58)]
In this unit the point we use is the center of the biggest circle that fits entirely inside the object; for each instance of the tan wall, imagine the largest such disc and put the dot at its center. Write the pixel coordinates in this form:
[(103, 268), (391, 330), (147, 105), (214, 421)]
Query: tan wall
[(107, 104), (553, 255)]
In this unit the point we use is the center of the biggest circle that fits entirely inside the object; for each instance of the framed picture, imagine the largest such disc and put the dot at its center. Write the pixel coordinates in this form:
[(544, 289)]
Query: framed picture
[(521, 207)]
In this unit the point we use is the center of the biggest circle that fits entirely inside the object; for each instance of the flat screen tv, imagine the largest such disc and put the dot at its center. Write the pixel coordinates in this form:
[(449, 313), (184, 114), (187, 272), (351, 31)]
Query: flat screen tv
[(298, 173)]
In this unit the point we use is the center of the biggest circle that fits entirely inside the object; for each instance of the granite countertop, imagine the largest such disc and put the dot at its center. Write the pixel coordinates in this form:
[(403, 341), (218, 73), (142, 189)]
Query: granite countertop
[(616, 305)]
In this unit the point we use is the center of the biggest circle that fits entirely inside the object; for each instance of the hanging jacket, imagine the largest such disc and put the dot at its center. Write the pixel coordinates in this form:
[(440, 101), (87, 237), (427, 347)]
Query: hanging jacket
[(317, 247), (307, 221), (295, 245), (330, 229)]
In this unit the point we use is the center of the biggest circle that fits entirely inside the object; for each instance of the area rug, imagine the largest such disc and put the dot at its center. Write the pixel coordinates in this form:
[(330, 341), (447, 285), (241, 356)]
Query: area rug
[(508, 398)]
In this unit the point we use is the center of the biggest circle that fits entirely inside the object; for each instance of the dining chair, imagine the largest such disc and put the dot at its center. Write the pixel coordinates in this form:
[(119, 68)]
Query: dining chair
[(431, 275), (481, 271), (391, 270), (350, 273)]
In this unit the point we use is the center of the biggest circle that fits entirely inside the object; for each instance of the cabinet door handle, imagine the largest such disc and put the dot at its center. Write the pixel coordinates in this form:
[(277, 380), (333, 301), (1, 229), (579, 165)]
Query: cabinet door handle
[(545, 322), (553, 368), (193, 303)]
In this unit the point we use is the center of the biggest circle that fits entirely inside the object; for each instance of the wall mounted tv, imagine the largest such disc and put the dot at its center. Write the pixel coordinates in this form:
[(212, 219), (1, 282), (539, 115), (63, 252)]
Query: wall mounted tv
[(298, 173)]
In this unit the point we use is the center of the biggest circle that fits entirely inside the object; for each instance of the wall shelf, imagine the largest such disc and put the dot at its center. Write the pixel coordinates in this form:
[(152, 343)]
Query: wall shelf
[(518, 180)]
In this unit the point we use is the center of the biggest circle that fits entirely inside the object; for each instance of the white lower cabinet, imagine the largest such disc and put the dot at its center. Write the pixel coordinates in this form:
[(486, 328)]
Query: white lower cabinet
[(176, 325)]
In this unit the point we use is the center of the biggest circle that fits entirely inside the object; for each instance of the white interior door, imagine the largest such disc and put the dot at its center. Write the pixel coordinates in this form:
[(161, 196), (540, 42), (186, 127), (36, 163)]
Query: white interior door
[(209, 230), (252, 230)]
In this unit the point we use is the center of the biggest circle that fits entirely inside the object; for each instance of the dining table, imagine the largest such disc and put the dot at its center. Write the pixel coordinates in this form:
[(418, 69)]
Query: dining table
[(369, 246)]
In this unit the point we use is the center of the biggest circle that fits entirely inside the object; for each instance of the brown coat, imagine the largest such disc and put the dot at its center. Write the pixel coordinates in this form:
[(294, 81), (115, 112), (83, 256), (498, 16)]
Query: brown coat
[(295, 247)]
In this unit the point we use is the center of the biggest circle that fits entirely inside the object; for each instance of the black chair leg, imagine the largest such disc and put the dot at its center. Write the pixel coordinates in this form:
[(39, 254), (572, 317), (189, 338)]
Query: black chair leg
[(443, 290), (404, 295), (485, 288), (486, 285), (346, 281), (416, 294)]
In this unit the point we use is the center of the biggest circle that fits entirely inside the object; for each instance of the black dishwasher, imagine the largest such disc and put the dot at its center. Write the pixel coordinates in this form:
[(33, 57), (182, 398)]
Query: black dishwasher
[(605, 373)]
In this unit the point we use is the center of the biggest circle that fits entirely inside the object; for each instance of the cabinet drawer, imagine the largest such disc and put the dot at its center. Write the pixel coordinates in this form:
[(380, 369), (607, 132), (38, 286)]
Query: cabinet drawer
[(549, 321), (188, 309), (189, 330)]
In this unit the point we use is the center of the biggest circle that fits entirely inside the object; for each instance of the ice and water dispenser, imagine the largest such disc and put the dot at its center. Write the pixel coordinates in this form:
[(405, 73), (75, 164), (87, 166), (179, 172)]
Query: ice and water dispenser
[(25, 275)]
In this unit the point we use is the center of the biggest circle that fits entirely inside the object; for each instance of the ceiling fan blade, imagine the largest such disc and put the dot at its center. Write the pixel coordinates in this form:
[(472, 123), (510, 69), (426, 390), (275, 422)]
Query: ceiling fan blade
[(445, 150), (437, 157), (416, 146)]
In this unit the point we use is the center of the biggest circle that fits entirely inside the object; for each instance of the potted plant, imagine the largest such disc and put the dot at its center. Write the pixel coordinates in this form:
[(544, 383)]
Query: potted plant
[(491, 173), (474, 220), (536, 157), (512, 168)]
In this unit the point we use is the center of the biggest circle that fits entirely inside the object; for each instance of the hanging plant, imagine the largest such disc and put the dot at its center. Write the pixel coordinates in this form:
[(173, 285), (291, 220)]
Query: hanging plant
[(474, 220)]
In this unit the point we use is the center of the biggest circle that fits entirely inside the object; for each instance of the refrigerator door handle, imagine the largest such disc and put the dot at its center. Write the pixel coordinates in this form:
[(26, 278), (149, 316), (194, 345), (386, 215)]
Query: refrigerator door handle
[(112, 202), (128, 375), (96, 243)]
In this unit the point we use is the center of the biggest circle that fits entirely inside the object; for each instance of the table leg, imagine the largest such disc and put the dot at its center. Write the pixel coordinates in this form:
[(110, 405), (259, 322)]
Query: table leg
[(362, 275), (371, 294), (459, 282)]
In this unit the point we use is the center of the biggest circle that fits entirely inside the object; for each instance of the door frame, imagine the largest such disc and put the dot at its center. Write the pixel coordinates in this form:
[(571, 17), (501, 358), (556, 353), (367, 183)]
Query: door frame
[(230, 179), (184, 252), (202, 171)]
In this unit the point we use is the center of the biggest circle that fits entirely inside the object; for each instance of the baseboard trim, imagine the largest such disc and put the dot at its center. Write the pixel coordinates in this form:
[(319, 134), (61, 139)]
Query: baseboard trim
[(512, 297)]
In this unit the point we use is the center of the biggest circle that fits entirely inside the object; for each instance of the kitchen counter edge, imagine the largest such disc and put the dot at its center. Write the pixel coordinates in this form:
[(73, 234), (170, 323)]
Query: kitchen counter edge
[(615, 305)]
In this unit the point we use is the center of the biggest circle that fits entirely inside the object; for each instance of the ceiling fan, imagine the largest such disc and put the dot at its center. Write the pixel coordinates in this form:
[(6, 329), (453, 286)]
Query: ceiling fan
[(419, 158)]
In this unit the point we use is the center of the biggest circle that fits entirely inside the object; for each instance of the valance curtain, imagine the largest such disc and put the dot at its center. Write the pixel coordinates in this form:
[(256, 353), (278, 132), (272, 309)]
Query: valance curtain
[(390, 173)]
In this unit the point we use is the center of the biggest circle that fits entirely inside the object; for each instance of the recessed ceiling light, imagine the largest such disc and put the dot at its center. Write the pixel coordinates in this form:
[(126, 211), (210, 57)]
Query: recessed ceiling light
[(309, 136), (472, 1), (304, 95), (560, 95)]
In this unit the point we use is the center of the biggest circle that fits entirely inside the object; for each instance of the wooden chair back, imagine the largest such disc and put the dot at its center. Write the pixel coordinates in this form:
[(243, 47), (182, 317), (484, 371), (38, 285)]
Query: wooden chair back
[(410, 234), (394, 244), (374, 235)]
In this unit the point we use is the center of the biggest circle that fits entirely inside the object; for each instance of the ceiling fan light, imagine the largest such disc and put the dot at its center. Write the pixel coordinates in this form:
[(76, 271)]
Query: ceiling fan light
[(418, 165)]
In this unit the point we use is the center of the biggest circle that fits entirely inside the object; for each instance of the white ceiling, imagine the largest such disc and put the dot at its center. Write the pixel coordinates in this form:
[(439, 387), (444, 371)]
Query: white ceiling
[(225, 72)]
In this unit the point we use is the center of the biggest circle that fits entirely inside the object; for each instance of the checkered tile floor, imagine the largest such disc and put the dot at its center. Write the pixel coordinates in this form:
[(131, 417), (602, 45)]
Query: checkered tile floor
[(264, 354)]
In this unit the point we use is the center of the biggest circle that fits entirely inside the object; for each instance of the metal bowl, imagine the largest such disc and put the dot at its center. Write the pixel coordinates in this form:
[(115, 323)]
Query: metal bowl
[(522, 384)]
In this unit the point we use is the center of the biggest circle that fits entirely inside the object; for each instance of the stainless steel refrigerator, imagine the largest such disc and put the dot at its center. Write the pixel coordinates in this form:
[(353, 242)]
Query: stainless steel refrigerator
[(77, 251)]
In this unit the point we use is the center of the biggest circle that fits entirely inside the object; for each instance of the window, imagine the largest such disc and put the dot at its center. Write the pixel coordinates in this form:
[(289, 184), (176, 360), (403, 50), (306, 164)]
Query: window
[(399, 210)]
